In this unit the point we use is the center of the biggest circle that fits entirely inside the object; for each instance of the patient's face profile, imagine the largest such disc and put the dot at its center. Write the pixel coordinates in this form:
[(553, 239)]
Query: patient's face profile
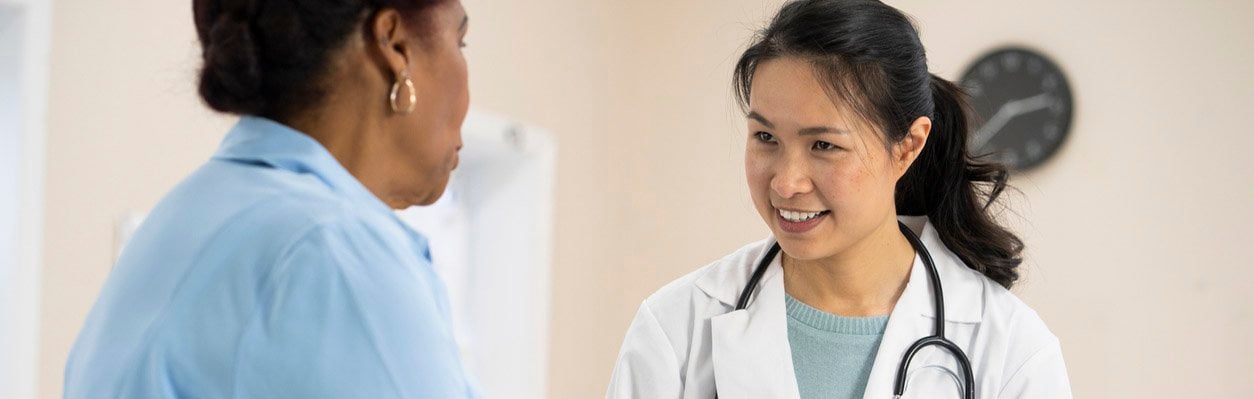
[(818, 172), (431, 134)]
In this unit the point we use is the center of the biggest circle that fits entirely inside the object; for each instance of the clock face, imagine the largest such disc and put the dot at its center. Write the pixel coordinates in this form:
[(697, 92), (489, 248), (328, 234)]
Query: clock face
[(1023, 106)]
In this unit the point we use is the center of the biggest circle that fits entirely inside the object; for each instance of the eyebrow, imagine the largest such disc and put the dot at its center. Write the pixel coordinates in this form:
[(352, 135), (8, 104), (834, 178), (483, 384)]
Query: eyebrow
[(809, 131), (816, 130), (465, 21), (761, 119)]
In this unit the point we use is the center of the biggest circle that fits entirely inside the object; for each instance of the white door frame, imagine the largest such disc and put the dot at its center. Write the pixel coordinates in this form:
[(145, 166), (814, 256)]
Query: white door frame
[(24, 44)]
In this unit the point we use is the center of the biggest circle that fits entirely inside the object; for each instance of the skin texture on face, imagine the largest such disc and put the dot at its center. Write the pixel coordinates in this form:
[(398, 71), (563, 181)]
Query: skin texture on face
[(809, 152), (842, 168), (404, 159)]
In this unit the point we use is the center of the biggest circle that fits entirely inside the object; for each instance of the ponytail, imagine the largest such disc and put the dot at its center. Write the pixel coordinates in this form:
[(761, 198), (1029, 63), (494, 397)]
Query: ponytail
[(954, 190)]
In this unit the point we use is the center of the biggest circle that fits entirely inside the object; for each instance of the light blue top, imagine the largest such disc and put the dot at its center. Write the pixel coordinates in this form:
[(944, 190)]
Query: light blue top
[(831, 355), (270, 272)]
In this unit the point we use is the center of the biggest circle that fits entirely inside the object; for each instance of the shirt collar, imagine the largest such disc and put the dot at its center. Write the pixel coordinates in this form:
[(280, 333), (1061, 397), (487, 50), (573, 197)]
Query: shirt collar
[(261, 141)]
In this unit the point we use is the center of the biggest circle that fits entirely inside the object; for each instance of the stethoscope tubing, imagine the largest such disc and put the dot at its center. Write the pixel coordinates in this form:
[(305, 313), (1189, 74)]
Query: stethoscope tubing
[(938, 329)]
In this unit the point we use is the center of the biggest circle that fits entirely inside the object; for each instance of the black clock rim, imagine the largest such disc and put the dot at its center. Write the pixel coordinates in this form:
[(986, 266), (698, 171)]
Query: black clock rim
[(1065, 126)]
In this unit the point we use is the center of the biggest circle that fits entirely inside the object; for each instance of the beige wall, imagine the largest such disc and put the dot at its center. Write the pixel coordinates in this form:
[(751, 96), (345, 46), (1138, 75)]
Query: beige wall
[(124, 126), (1134, 231)]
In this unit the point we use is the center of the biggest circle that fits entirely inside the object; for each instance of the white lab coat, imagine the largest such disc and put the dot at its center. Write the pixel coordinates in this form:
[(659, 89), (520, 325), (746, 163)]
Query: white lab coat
[(686, 336)]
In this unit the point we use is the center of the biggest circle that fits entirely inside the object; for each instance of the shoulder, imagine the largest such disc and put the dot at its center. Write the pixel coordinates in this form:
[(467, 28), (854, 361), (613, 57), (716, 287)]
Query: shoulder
[(1010, 330), (680, 308), (231, 192), (1021, 325), (1001, 313), (267, 213), (1033, 359), (971, 297), (1014, 340), (1006, 324), (337, 230), (673, 319), (717, 281)]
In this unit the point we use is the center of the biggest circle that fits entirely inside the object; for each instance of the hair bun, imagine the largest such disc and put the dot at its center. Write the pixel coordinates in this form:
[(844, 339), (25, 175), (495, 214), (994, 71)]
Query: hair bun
[(231, 78), (271, 58)]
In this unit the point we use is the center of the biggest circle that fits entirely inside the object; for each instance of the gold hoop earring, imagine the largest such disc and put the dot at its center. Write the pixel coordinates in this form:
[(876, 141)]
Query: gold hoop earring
[(396, 89)]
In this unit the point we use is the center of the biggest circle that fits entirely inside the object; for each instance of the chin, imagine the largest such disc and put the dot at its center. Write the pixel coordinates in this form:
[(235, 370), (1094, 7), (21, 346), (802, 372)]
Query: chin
[(804, 249), (430, 199), (409, 199), (815, 245)]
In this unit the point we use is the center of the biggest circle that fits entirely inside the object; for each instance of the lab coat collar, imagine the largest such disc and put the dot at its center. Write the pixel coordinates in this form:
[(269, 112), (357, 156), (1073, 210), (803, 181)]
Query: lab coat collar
[(261, 141), (749, 347), (750, 350), (964, 303), (962, 286)]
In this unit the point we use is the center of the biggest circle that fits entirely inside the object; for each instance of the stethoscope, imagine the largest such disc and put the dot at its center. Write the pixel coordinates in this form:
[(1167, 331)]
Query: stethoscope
[(938, 300)]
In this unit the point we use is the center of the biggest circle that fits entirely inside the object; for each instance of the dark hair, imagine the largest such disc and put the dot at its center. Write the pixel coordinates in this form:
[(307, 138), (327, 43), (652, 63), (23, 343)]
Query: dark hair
[(267, 57), (869, 54)]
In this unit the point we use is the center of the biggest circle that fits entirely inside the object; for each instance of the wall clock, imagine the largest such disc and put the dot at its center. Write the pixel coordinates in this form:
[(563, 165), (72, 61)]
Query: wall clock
[(1023, 106)]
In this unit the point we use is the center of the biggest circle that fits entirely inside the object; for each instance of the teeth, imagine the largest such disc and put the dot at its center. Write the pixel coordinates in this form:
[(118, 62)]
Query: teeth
[(793, 216)]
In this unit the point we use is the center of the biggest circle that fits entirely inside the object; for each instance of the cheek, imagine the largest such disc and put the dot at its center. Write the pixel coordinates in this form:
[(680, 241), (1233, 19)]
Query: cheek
[(845, 185), (858, 188), (447, 89), (458, 86), (455, 95), (757, 174)]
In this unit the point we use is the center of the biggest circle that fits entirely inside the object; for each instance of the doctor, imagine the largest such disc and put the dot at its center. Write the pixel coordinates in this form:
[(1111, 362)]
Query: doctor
[(847, 133)]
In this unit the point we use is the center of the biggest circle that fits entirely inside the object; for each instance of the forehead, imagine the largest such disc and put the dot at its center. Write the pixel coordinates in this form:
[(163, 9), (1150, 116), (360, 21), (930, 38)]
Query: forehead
[(786, 90), (447, 15)]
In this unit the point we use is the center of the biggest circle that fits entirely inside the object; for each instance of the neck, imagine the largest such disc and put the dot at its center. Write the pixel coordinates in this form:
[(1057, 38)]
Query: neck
[(865, 279), (354, 137)]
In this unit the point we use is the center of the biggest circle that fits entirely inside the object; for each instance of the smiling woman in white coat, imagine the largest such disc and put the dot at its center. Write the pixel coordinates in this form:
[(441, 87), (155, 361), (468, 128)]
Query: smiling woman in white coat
[(853, 150)]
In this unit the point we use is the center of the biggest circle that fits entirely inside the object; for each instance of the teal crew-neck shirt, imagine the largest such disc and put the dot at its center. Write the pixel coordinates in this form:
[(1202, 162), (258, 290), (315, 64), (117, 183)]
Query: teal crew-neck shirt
[(831, 355)]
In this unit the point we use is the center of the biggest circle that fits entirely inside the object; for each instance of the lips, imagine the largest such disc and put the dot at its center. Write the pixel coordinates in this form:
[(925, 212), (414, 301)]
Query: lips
[(799, 221)]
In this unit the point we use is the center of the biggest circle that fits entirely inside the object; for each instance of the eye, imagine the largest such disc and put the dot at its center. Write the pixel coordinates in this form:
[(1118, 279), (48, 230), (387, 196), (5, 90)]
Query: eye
[(825, 146), (764, 137)]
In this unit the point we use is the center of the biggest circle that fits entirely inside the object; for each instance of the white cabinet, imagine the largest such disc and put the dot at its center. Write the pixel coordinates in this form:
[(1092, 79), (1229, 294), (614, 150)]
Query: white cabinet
[(24, 26), (491, 241)]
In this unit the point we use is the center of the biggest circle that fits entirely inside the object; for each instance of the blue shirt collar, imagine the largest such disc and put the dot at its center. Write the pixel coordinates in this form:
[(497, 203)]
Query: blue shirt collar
[(261, 141)]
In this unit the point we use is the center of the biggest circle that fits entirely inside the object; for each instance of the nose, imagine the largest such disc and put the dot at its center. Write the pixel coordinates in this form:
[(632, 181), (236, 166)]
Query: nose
[(791, 178)]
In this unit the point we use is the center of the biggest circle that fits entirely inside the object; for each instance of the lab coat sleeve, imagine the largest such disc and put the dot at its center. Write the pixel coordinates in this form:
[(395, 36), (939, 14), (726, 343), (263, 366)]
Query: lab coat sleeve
[(1042, 376), (345, 316), (647, 366)]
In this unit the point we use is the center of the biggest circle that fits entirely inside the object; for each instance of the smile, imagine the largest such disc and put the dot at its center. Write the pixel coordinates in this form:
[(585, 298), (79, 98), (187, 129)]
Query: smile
[(800, 216)]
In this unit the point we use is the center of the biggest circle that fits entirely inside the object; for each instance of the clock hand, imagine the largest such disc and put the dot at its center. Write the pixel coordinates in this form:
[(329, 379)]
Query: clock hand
[(994, 124), (1033, 104), (1007, 112)]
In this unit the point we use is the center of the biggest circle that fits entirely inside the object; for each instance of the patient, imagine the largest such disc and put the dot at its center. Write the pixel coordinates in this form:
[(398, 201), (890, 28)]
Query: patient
[(278, 268)]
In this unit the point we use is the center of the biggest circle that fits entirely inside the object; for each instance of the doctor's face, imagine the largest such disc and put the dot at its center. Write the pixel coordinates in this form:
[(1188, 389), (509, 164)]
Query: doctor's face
[(819, 174)]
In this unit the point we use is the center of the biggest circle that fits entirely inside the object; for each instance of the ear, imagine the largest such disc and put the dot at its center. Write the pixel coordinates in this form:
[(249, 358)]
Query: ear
[(391, 41), (906, 151)]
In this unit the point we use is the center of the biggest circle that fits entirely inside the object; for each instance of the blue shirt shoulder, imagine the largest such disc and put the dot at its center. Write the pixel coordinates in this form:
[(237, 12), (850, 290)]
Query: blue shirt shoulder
[(269, 272)]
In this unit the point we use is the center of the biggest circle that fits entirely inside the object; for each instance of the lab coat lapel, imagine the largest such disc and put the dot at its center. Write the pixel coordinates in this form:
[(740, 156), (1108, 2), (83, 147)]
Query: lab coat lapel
[(906, 324), (912, 317), (750, 350)]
